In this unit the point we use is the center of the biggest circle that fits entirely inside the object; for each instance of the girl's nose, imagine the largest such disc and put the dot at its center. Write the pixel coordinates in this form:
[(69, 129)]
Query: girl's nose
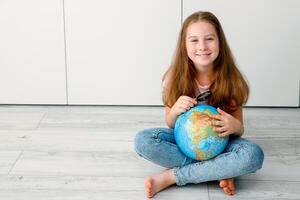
[(201, 45)]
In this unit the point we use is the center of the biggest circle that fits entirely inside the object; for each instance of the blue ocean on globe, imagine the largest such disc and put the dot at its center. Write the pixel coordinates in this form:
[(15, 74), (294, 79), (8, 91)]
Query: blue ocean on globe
[(195, 136)]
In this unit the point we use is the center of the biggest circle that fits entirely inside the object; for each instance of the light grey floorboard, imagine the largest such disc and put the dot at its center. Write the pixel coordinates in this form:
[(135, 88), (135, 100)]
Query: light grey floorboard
[(126, 164), (67, 140), (188, 193), (22, 121), (90, 187), (7, 160), (112, 141), (253, 189), (86, 152), (283, 168)]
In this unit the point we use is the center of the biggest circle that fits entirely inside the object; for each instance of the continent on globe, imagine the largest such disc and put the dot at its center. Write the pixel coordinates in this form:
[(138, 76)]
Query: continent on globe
[(195, 136)]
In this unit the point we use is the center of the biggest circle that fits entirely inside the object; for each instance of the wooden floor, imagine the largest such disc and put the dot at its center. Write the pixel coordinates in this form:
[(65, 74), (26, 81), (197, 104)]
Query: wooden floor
[(86, 152)]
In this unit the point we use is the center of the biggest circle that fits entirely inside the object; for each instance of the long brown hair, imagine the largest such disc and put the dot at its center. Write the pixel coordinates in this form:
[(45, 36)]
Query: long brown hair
[(229, 88)]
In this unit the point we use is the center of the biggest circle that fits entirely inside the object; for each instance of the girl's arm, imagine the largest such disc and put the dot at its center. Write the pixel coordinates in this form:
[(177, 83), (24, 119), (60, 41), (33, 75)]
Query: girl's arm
[(170, 117), (238, 114)]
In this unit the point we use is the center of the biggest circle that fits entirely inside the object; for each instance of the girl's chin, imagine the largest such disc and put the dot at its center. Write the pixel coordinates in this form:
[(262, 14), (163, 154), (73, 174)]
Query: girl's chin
[(203, 62)]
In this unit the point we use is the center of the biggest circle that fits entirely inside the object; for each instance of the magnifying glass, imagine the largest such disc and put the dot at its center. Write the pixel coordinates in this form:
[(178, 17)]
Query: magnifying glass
[(204, 96)]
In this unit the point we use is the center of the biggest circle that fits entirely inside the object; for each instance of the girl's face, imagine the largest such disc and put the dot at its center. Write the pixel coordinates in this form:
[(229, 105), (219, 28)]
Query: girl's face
[(202, 45)]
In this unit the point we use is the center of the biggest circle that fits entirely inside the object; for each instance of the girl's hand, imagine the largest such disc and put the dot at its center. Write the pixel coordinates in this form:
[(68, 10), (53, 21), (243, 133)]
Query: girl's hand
[(183, 104), (225, 124)]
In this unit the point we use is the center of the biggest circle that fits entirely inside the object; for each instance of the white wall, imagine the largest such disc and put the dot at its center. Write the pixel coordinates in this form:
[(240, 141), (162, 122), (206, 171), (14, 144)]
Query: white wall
[(264, 37), (32, 60), (117, 51)]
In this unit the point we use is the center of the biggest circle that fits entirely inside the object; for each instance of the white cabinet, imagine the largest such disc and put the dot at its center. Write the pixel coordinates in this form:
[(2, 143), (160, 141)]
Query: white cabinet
[(32, 61), (264, 38), (117, 51)]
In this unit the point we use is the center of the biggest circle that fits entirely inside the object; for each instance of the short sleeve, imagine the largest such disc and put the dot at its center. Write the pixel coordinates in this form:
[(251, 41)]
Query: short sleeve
[(165, 86), (165, 83)]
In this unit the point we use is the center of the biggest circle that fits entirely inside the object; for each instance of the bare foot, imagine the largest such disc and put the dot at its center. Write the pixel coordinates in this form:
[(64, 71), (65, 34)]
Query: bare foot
[(228, 186), (158, 182)]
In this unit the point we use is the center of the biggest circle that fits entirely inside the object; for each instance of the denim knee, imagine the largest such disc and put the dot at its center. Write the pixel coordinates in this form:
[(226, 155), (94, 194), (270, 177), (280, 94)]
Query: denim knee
[(138, 142), (253, 157), (141, 140), (258, 156)]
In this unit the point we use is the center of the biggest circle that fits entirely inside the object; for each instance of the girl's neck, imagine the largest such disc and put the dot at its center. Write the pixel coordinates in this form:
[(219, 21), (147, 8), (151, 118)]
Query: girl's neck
[(205, 75), (205, 78)]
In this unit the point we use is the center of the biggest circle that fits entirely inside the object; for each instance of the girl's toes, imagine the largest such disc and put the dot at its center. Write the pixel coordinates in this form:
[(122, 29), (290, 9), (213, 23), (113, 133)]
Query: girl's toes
[(227, 190), (223, 183)]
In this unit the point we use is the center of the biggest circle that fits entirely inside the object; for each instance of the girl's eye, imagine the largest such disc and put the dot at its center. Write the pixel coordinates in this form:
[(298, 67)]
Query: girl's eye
[(210, 38), (194, 40)]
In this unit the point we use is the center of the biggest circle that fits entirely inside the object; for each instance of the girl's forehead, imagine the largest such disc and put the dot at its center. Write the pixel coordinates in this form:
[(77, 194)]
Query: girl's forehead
[(200, 28)]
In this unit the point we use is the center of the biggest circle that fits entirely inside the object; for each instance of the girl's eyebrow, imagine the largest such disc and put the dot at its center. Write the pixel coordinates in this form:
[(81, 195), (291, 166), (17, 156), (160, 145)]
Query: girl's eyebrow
[(210, 34)]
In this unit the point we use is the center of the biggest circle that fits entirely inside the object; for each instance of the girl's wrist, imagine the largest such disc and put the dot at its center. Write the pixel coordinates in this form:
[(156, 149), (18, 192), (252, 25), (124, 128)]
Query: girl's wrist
[(173, 113), (240, 129), (171, 118)]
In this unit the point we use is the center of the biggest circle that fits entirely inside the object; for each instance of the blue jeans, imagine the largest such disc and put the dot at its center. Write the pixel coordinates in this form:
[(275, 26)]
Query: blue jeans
[(158, 145)]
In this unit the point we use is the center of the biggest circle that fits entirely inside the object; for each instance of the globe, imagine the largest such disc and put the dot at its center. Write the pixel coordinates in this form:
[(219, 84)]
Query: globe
[(195, 136)]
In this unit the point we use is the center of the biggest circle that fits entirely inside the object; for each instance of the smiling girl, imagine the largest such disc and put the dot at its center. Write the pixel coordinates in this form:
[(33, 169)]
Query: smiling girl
[(202, 61)]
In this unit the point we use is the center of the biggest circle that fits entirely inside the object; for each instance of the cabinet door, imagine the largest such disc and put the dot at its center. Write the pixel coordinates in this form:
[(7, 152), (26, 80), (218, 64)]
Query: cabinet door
[(117, 51), (264, 38), (32, 61)]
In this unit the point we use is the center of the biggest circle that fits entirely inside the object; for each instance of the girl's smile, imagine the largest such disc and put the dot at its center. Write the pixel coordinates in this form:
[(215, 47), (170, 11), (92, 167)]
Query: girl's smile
[(203, 55)]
